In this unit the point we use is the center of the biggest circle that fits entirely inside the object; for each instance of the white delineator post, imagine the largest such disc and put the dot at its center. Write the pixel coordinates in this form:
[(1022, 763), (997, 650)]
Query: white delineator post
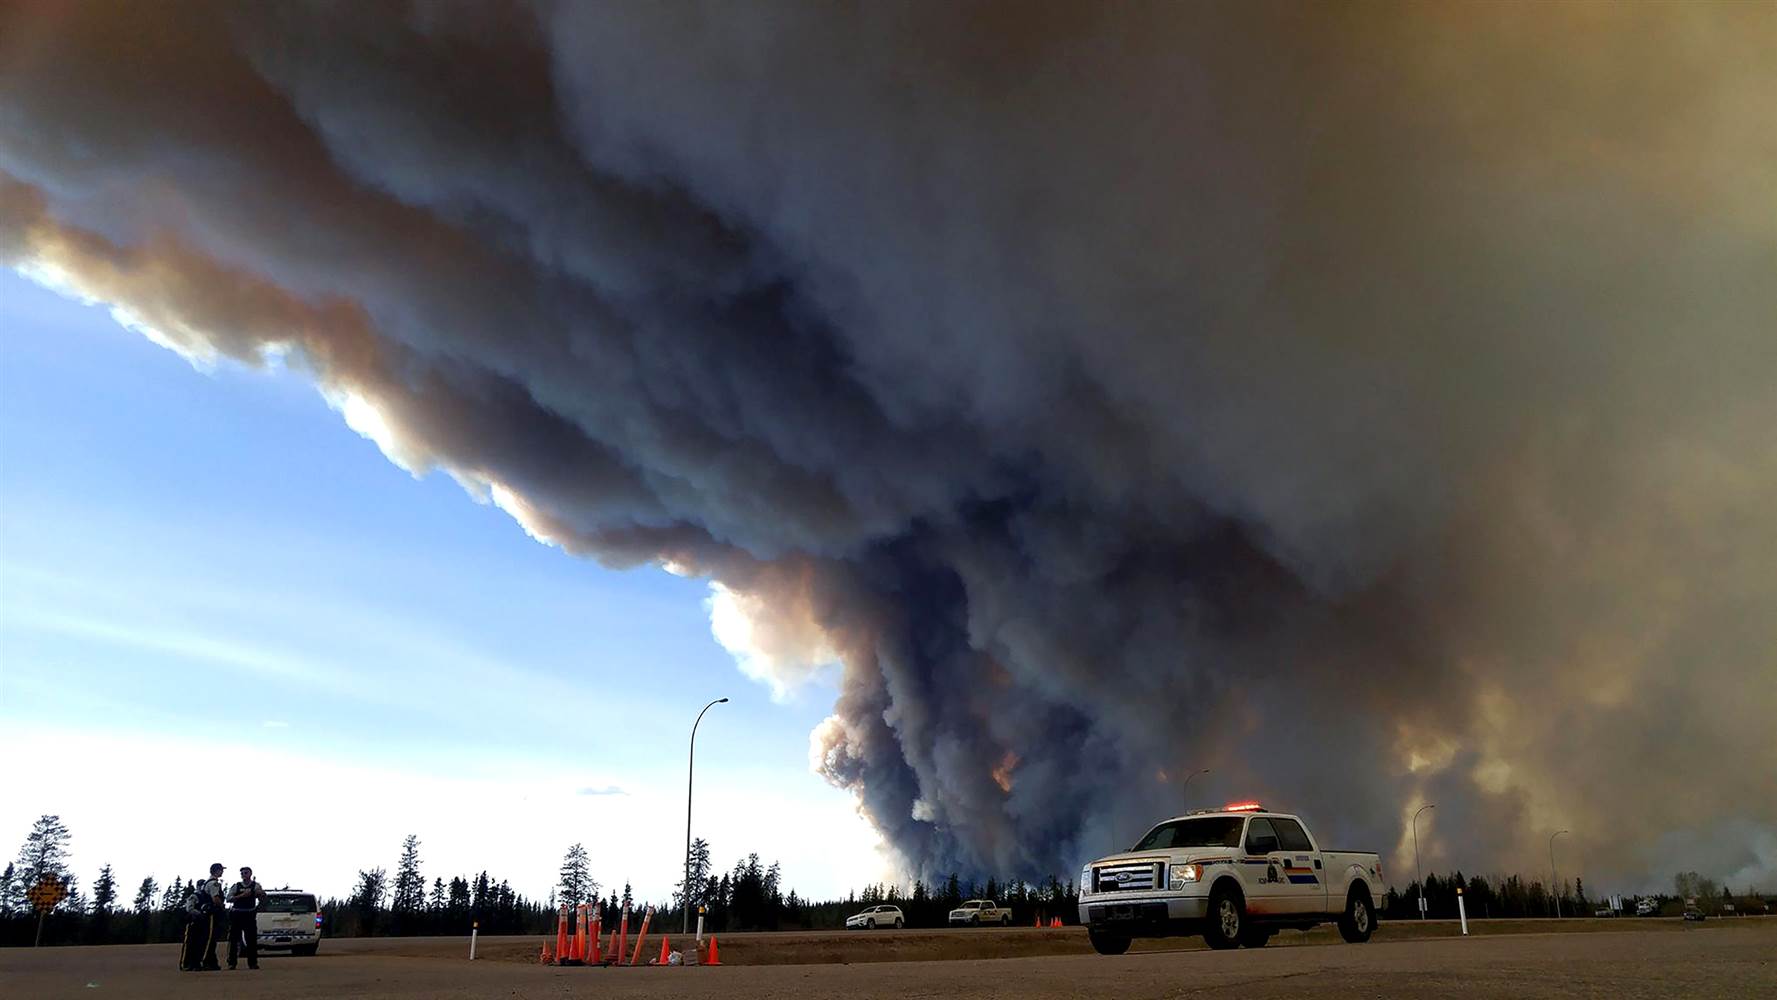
[(700, 926), (1462, 912), (474, 929)]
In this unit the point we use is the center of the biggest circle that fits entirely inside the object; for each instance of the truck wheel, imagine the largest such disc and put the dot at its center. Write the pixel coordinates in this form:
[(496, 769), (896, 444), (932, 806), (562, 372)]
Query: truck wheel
[(1227, 918), (898, 923), (1006, 921), (1107, 944), (1358, 921), (1255, 936)]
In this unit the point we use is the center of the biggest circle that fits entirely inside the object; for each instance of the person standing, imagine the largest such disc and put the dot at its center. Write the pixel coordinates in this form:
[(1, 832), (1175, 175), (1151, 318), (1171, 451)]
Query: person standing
[(244, 899), (203, 911)]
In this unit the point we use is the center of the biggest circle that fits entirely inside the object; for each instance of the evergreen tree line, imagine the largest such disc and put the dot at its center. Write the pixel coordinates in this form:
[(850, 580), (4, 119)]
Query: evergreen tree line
[(1513, 896), (750, 896)]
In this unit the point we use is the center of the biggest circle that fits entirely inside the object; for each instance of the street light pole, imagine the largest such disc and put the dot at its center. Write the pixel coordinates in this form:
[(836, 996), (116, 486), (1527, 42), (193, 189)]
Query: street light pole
[(1185, 803), (1416, 872), (690, 765), (1554, 887)]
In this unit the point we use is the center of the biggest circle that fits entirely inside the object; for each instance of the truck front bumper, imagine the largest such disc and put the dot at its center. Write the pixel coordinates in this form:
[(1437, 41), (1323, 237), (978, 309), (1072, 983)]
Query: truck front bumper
[(1146, 915)]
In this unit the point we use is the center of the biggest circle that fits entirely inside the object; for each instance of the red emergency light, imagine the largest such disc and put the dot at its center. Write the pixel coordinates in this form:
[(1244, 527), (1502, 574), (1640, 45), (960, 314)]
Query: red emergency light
[(1242, 807)]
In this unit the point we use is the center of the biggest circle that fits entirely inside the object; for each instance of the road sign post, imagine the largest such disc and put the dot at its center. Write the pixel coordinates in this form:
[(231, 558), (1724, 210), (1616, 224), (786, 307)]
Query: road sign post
[(48, 891)]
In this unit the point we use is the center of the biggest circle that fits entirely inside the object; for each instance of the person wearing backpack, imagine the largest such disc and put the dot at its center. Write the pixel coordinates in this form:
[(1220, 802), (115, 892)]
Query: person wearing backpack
[(203, 912)]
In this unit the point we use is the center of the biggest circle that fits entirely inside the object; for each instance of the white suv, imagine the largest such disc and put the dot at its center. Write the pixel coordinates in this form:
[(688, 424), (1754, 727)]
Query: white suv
[(290, 919), (877, 916)]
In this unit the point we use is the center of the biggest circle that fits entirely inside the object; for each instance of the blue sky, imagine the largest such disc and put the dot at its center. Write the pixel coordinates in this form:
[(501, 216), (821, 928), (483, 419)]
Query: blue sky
[(212, 588)]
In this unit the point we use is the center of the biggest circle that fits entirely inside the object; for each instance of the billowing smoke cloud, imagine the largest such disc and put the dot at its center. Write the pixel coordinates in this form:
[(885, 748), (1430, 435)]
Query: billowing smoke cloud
[(1374, 405)]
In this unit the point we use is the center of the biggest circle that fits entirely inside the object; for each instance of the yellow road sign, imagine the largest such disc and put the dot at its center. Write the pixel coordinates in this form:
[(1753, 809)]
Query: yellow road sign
[(47, 893)]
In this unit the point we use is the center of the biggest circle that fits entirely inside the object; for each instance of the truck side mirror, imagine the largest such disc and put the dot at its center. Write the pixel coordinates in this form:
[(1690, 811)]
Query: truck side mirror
[(1261, 844)]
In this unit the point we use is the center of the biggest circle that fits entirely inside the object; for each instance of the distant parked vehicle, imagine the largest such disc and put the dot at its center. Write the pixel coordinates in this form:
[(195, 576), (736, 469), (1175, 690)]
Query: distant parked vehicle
[(1647, 908), (290, 919), (976, 912), (1692, 911), (876, 916)]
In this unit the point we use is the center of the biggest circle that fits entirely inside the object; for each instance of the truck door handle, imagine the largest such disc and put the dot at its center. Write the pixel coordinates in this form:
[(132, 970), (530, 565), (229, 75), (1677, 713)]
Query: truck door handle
[(1317, 864)]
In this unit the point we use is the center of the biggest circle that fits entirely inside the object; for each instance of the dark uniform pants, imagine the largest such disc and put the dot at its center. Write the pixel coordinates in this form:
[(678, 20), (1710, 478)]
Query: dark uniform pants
[(200, 942), (243, 926)]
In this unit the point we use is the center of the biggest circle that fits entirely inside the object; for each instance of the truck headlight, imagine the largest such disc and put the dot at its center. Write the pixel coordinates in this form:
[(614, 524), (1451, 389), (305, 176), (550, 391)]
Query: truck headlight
[(1185, 874), (1086, 879)]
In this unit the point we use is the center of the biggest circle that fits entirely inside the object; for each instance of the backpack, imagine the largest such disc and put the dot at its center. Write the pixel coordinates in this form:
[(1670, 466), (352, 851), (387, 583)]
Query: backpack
[(199, 903)]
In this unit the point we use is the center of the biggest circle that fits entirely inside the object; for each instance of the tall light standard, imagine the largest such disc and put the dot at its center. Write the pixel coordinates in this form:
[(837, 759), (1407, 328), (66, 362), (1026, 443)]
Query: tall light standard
[(1416, 873), (690, 765), (1185, 803), (1554, 887)]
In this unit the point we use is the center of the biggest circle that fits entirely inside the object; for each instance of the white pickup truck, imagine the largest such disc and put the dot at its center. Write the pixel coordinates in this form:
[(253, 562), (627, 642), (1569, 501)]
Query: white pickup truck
[(976, 912), (1234, 875)]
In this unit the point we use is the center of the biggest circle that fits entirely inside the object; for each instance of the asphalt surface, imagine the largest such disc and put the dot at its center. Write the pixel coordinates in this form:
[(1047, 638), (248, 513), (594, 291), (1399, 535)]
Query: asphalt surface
[(1711, 961)]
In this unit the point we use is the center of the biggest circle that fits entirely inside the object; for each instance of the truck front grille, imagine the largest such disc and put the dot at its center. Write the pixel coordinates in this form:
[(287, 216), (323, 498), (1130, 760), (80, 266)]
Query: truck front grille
[(1129, 877)]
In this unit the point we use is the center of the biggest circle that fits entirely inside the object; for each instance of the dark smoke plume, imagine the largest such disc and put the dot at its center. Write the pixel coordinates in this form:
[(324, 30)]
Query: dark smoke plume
[(1374, 404)]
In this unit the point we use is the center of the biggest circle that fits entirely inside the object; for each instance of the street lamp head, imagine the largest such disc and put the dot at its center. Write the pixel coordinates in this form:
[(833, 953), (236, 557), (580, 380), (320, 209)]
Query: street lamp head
[(721, 701)]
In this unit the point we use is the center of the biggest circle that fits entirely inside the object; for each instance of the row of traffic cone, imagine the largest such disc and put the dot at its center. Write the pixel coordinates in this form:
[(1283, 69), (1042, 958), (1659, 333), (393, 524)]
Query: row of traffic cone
[(1053, 922), (582, 946), (579, 947)]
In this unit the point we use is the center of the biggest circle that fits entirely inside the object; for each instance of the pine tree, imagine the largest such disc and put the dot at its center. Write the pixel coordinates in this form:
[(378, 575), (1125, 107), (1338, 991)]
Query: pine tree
[(699, 875), (175, 895), (573, 889), (74, 901), (367, 895), (104, 891), (145, 895), (410, 886), (479, 901), (436, 903), (8, 886)]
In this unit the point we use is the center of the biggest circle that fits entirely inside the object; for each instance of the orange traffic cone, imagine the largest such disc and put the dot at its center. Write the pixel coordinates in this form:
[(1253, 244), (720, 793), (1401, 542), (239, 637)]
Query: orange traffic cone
[(1056, 922), (714, 958), (561, 932), (665, 951), (543, 956), (594, 958), (635, 957), (1037, 922)]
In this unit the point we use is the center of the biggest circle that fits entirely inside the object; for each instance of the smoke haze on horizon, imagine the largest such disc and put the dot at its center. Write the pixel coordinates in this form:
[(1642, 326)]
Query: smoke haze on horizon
[(1375, 404)]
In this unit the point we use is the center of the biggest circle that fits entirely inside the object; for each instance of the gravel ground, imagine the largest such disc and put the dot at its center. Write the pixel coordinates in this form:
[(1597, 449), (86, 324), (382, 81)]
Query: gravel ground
[(1730, 959)]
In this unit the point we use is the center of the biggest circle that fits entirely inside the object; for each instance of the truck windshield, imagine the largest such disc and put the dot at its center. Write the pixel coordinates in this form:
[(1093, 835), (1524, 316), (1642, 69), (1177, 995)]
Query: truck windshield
[(1209, 831), (289, 904)]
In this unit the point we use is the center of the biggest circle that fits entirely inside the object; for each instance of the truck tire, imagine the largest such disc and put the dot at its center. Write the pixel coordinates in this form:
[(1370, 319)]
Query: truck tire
[(1227, 917), (899, 924), (1358, 921), (1006, 921), (1255, 936), (1107, 944)]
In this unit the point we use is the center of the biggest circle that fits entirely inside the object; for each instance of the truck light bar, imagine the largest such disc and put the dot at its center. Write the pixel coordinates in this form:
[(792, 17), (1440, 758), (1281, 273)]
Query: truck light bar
[(1242, 807)]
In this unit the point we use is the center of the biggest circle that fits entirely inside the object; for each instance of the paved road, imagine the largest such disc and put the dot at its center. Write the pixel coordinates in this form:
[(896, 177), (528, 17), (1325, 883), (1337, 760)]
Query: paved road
[(1713, 962)]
